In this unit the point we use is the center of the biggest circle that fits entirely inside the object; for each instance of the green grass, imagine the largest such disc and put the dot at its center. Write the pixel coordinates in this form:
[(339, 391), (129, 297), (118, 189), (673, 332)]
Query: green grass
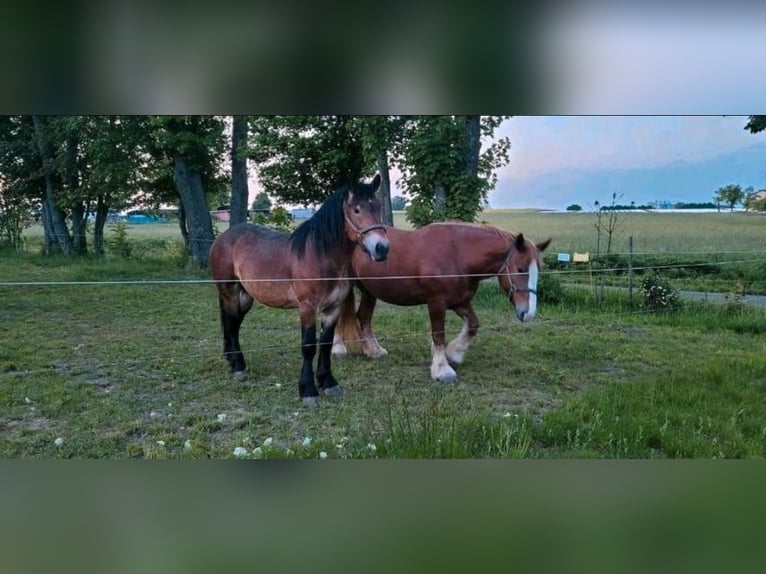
[(134, 370)]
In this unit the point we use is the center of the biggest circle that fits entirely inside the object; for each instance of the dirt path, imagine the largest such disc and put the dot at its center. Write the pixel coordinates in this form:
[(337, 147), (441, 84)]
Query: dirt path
[(759, 300)]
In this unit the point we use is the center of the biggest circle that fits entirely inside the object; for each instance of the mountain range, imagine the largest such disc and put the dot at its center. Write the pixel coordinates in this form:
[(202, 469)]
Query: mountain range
[(684, 181)]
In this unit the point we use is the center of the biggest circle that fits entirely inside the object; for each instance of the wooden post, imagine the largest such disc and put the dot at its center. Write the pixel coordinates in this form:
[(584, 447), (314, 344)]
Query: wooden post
[(630, 270)]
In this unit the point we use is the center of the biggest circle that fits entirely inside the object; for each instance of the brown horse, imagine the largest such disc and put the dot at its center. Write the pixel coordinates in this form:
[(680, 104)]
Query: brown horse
[(307, 269), (440, 265)]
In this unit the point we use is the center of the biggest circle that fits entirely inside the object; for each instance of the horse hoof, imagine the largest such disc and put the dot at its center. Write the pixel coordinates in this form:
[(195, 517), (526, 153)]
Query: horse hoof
[(311, 401), (377, 354), (339, 351), (335, 392), (446, 378), (239, 375)]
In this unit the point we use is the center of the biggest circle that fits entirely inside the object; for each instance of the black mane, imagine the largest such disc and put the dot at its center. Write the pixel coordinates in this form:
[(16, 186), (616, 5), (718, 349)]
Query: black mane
[(326, 228)]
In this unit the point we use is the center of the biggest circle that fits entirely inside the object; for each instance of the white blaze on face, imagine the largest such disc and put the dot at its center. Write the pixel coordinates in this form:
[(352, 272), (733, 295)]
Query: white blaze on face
[(532, 285), (371, 241)]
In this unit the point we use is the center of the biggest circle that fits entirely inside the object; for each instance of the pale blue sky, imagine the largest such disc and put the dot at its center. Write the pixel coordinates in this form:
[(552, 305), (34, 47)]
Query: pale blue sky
[(683, 156), (542, 144)]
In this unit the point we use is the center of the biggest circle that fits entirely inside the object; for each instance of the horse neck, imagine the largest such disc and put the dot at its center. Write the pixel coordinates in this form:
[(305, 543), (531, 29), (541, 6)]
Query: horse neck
[(338, 262), (494, 245)]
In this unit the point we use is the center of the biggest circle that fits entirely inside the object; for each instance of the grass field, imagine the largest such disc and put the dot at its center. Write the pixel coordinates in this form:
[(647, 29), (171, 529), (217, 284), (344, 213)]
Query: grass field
[(134, 370)]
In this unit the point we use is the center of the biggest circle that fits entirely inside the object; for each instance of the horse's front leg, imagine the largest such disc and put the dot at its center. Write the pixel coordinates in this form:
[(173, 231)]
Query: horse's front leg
[(459, 345), (366, 308), (306, 388), (440, 368), (327, 383)]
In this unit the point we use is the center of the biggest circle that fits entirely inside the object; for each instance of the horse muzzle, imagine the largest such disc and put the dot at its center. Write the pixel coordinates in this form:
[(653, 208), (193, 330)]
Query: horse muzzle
[(528, 311), (376, 248)]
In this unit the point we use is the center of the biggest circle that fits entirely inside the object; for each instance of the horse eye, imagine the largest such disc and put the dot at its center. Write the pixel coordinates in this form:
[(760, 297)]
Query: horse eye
[(357, 210)]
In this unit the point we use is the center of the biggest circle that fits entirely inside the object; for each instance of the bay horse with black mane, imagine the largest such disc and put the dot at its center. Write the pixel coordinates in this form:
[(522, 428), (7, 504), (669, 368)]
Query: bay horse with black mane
[(440, 265), (307, 269)]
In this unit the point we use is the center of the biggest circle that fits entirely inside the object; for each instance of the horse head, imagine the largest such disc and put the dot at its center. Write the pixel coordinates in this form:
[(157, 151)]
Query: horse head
[(364, 224), (519, 274)]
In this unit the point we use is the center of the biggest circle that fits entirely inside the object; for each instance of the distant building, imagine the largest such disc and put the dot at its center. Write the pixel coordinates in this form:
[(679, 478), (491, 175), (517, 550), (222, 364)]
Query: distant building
[(302, 213)]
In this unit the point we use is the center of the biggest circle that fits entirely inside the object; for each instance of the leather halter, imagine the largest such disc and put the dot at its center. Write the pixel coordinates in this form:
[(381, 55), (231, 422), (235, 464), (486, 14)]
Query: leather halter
[(507, 267), (360, 232)]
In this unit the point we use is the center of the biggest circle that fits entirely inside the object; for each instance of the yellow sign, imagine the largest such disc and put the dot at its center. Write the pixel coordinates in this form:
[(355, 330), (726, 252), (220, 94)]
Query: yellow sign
[(581, 257)]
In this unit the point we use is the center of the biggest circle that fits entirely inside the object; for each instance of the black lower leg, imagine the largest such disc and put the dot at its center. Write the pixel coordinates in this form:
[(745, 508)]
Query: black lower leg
[(324, 373), (306, 386), (231, 349)]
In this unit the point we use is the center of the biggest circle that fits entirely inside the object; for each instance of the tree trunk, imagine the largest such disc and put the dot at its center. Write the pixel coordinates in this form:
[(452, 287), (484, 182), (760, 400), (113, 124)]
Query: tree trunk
[(440, 202), (78, 214), (56, 216), (102, 210), (471, 159), (473, 145), (200, 227), (182, 224), (239, 189), (50, 243), (385, 187), (79, 217)]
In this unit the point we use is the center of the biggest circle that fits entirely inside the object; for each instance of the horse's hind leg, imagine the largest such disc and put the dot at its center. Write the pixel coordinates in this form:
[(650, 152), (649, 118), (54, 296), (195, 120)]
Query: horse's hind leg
[(347, 327), (234, 303), (459, 345), (366, 308), (440, 368)]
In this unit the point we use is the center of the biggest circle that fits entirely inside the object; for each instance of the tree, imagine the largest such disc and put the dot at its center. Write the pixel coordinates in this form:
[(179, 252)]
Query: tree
[(54, 219), (756, 124), (111, 164), (609, 221), (303, 159), (22, 185), (239, 189), (194, 145), (444, 171), (730, 194), (262, 202), (574, 207), (398, 203), (381, 135), (72, 167), (753, 203)]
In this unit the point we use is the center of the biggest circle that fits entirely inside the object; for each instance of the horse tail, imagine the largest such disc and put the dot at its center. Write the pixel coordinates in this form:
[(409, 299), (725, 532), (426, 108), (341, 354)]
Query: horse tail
[(347, 329)]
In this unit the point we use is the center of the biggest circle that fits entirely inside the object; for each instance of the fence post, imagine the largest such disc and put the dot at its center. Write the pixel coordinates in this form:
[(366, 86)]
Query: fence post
[(630, 270)]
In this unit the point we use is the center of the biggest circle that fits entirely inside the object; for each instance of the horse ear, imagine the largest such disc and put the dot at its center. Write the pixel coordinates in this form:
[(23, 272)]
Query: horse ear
[(543, 245), (520, 244), (375, 182)]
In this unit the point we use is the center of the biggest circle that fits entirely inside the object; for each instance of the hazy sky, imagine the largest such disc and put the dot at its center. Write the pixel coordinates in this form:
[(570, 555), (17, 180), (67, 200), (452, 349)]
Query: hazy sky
[(548, 153), (542, 144)]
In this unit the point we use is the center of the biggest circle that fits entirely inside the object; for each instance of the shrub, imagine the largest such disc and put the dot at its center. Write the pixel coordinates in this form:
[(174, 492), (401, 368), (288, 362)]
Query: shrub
[(658, 295), (278, 218), (118, 243), (549, 289)]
